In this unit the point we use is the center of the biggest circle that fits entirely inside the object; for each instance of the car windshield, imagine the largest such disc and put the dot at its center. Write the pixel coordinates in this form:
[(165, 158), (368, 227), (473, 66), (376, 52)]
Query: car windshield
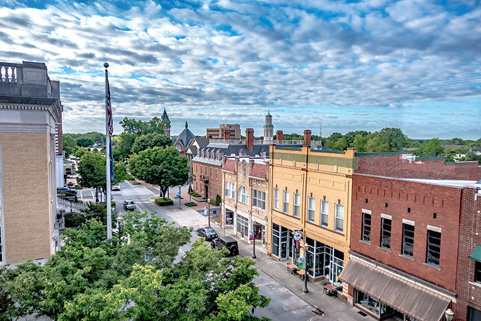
[(129, 202), (210, 231)]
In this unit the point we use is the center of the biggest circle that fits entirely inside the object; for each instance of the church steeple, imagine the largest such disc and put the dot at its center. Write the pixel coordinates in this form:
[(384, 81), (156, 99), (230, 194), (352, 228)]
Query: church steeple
[(268, 128), (167, 127)]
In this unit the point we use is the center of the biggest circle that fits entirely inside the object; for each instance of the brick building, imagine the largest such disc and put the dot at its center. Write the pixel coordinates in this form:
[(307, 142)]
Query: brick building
[(218, 133), (30, 115), (245, 194)]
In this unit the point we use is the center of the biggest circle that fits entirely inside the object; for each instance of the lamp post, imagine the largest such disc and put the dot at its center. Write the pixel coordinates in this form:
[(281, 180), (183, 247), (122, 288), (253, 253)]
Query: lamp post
[(180, 205), (208, 210), (306, 290), (253, 239), (449, 314)]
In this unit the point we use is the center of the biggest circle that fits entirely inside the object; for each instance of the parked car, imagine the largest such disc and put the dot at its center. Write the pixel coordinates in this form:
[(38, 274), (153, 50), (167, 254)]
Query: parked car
[(226, 242), (207, 232), (129, 205), (116, 187)]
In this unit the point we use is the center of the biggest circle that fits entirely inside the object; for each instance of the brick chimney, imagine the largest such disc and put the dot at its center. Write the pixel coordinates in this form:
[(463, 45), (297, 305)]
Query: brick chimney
[(250, 139), (307, 138), (279, 135), (227, 135)]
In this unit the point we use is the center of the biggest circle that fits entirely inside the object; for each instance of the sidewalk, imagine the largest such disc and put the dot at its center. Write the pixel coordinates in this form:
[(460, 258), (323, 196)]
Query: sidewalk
[(332, 307)]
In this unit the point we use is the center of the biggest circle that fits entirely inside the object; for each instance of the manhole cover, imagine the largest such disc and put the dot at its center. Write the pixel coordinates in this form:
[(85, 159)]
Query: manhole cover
[(362, 313)]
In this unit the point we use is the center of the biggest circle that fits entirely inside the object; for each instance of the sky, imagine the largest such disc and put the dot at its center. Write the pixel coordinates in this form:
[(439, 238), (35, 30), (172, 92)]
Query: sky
[(327, 66)]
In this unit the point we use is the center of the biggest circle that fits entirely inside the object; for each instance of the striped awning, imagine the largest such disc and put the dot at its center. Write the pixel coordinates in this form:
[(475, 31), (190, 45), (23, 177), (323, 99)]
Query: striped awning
[(397, 292)]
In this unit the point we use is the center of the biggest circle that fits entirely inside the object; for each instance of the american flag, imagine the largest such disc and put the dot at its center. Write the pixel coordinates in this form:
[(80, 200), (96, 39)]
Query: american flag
[(110, 121)]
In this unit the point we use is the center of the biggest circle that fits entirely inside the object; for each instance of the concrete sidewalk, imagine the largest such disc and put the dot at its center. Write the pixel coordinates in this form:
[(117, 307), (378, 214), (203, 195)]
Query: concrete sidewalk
[(333, 308)]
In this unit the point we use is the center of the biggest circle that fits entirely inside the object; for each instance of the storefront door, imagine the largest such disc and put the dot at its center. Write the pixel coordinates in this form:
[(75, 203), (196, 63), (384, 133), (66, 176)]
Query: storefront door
[(284, 243)]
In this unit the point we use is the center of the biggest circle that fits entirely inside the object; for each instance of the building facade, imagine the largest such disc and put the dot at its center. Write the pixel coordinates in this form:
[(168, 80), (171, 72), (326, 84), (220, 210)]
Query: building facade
[(245, 197), (218, 133), (30, 113), (311, 192), (184, 139)]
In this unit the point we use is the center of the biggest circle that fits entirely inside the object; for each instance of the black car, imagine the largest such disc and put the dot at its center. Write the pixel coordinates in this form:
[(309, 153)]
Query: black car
[(207, 232), (228, 243)]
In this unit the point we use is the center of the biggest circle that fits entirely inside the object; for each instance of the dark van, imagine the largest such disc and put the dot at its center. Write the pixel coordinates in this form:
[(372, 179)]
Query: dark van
[(226, 242)]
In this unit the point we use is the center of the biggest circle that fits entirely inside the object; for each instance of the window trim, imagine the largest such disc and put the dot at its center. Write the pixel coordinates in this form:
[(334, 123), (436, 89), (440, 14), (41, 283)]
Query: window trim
[(429, 249), (336, 225), (285, 205), (324, 214), (243, 195), (311, 209), (297, 205), (366, 227), (404, 250), (382, 234), (258, 198)]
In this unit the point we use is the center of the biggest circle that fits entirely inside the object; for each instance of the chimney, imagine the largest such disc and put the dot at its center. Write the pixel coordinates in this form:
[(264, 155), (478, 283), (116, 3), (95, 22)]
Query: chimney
[(279, 136), (307, 138), (250, 139), (227, 135)]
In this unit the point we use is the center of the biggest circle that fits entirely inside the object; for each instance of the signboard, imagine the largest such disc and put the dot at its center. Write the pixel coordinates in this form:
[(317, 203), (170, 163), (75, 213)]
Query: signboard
[(300, 263), (297, 235)]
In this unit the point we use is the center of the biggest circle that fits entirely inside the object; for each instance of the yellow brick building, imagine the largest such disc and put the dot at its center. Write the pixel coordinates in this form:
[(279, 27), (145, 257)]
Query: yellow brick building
[(311, 192)]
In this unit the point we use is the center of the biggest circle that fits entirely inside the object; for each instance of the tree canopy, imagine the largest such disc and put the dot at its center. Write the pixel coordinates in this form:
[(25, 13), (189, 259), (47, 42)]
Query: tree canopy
[(139, 127), (161, 166), (143, 142)]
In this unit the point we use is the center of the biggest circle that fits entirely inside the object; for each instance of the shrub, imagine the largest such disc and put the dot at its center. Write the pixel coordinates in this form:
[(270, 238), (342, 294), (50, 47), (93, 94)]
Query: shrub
[(162, 202), (135, 183), (190, 204), (194, 194)]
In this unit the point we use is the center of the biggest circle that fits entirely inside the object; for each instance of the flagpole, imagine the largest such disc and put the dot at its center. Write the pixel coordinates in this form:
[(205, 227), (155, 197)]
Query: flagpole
[(107, 149)]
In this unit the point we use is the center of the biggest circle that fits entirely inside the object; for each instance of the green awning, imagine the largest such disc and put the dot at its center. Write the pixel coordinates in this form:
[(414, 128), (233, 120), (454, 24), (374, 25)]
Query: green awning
[(476, 255)]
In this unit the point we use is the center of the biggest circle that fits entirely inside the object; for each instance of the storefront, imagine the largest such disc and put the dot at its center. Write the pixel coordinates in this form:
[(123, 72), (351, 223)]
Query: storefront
[(386, 294), (324, 261), (243, 230), (282, 243)]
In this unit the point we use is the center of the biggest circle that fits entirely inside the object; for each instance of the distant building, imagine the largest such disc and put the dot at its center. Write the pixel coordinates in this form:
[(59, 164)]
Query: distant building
[(233, 129), (166, 118), (30, 148), (268, 129)]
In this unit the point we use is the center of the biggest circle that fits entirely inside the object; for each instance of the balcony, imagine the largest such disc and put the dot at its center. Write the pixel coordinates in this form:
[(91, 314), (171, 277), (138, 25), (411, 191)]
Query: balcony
[(204, 179)]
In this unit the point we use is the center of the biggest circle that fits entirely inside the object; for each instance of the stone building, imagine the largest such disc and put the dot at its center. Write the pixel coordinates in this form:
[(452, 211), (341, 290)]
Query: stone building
[(30, 123)]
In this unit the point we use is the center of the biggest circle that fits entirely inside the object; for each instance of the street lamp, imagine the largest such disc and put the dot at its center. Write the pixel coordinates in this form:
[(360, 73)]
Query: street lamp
[(208, 211), (253, 239), (180, 205), (449, 314), (306, 290)]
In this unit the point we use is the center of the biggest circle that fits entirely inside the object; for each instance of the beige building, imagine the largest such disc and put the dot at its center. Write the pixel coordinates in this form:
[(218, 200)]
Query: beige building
[(232, 129), (30, 115), (245, 197)]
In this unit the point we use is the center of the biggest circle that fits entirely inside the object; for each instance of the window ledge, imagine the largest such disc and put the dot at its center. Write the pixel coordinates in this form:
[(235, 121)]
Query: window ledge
[(406, 257), (432, 266), (365, 242), (384, 249), (477, 284)]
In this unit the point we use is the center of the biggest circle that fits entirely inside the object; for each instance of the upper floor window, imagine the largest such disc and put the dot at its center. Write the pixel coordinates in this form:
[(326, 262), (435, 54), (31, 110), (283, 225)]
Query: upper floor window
[(285, 205), (216, 173), (339, 214), (201, 170), (297, 205), (276, 198), (408, 240), (196, 168), (477, 272), (366, 227), (210, 172), (229, 189), (311, 209), (242, 195), (385, 233), (433, 247), (259, 199), (324, 213)]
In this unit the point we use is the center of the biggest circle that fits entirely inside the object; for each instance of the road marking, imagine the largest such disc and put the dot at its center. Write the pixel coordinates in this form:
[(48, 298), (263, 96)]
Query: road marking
[(259, 285)]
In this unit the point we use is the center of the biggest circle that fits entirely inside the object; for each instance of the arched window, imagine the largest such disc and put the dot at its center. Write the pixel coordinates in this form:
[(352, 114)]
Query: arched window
[(242, 195)]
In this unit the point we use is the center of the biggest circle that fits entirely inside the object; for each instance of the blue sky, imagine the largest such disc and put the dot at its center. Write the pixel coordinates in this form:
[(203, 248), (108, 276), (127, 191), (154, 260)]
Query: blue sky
[(336, 65)]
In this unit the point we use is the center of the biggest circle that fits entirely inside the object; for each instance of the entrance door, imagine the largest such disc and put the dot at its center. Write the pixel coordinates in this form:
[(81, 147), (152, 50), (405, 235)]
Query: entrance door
[(295, 252), (284, 243)]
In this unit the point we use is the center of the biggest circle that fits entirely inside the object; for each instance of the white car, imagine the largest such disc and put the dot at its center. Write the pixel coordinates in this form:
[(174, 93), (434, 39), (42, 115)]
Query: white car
[(116, 187)]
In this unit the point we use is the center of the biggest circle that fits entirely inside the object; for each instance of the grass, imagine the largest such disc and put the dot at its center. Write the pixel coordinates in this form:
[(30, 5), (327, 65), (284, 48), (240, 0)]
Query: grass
[(135, 183), (190, 204)]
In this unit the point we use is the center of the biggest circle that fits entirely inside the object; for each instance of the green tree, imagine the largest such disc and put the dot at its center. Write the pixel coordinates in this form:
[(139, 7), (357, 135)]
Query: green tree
[(161, 166), (69, 144), (391, 140), (432, 147), (143, 142), (123, 149), (139, 127)]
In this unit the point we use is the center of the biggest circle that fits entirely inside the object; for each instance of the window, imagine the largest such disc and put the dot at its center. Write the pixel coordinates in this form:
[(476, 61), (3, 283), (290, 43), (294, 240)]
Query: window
[(201, 170), (259, 199), (408, 240), (210, 172), (366, 227), (276, 198), (385, 233), (242, 195), (229, 189), (311, 209), (339, 226), (242, 225), (433, 248), (196, 168), (477, 272), (285, 206), (205, 170), (324, 213), (297, 205), (216, 173)]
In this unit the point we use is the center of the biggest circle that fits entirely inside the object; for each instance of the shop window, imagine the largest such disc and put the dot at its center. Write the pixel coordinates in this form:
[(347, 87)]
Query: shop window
[(385, 233), (276, 198), (366, 227), (339, 226), (477, 272), (275, 239), (376, 307), (433, 252), (242, 225), (408, 240), (311, 210), (297, 205), (242, 195), (285, 207), (259, 199), (324, 213)]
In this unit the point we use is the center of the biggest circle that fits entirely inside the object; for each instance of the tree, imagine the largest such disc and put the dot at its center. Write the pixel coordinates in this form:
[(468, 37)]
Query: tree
[(391, 139), (139, 127), (432, 147), (69, 144), (124, 147), (150, 140), (161, 166)]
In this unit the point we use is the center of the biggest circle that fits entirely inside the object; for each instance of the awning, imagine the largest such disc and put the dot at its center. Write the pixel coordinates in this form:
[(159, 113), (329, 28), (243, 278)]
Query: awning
[(476, 255), (399, 293)]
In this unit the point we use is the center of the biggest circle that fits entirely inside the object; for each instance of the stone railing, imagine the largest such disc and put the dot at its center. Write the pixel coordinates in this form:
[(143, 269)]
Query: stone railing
[(9, 73)]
